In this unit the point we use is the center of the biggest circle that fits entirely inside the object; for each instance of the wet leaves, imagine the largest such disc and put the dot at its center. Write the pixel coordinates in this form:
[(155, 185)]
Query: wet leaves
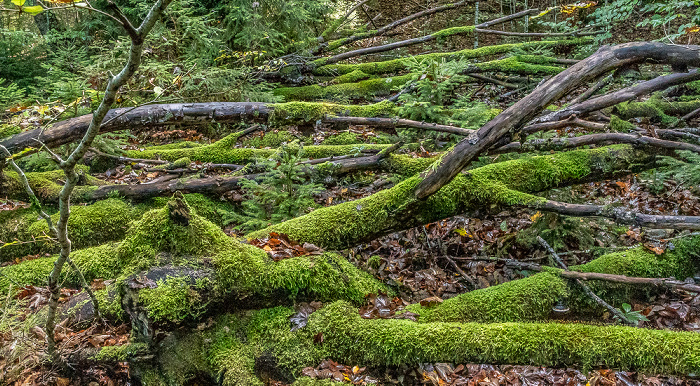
[(303, 311), (380, 306), (279, 247), (329, 369)]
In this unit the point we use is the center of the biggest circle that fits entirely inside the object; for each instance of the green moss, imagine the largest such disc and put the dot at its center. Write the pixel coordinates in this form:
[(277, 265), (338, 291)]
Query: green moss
[(304, 112), (210, 209), (89, 225), (360, 90), (270, 139), (177, 145), (351, 77), (222, 152), (453, 31), (639, 262), (351, 339), (396, 65), (526, 299), (620, 125), (173, 300), (408, 166), (110, 303), (657, 108), (345, 138), (506, 182), (181, 163), (122, 353), (9, 130), (45, 185)]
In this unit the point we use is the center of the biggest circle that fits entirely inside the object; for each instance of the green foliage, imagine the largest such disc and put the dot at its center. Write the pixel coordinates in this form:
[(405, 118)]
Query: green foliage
[(561, 232), (663, 13), (10, 95), (632, 316), (434, 88), (272, 26), (684, 169), (281, 194)]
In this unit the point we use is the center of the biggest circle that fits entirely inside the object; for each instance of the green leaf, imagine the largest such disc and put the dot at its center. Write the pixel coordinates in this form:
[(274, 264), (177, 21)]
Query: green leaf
[(18, 3), (33, 10), (504, 226), (158, 90)]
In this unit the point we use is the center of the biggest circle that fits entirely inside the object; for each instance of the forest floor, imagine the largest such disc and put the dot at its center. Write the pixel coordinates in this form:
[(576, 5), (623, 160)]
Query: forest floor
[(426, 264)]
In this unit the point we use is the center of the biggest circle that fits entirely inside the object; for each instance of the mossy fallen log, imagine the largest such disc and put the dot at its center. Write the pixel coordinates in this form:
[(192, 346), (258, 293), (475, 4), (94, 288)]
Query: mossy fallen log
[(238, 344), (223, 152), (397, 65), (503, 183), (161, 115), (656, 108), (235, 268), (366, 89), (90, 225)]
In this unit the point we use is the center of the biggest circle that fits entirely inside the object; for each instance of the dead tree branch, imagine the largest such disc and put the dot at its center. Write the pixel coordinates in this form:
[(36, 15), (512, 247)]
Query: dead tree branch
[(604, 60)]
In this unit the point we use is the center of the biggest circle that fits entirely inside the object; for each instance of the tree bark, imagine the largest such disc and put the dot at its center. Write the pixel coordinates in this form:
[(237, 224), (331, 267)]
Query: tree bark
[(72, 130)]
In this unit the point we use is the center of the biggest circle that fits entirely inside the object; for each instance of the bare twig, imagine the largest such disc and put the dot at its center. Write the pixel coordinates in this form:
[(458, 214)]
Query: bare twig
[(586, 289)]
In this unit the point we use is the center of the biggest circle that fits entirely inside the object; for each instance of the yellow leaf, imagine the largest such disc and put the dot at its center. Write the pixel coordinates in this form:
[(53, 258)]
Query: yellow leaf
[(461, 232), (546, 11), (33, 10), (535, 216), (267, 248), (18, 3)]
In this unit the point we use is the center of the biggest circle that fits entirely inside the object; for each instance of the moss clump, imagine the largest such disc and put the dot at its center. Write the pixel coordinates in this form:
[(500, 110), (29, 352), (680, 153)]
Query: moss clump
[(9, 130), (408, 166), (656, 108), (351, 77), (90, 225), (639, 262), (620, 125), (360, 90), (173, 300), (122, 353), (396, 65), (345, 138), (45, 185), (270, 139), (303, 112), (212, 210), (526, 299)]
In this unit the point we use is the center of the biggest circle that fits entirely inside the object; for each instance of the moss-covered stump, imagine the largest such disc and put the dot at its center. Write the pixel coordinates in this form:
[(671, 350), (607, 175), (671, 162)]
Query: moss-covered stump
[(503, 183), (90, 225)]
